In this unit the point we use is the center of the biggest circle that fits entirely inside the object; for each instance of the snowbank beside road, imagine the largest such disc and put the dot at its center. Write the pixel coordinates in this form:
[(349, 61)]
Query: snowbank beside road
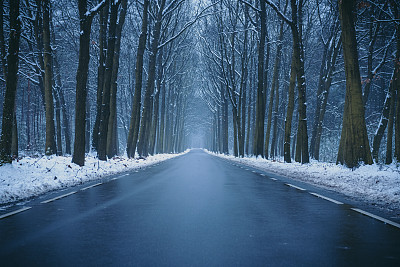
[(30, 177), (373, 183)]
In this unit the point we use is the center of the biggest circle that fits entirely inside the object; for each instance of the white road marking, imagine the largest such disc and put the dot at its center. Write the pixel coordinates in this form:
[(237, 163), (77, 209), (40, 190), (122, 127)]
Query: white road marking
[(90, 186), (56, 198), (273, 179), (14, 212), (299, 188), (114, 179), (253, 171), (377, 217), (262, 174), (327, 198)]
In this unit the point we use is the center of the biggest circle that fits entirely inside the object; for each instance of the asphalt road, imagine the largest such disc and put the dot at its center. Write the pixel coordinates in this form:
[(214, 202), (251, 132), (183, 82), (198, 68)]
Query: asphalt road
[(194, 210)]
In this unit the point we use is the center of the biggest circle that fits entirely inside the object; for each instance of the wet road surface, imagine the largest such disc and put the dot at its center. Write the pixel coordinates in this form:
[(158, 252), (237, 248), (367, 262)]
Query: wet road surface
[(194, 210)]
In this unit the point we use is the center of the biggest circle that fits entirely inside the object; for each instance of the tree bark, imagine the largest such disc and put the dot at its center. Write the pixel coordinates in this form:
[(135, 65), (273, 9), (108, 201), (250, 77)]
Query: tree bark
[(100, 73), (112, 135), (135, 116), (50, 145), (86, 19), (146, 114), (11, 84), (289, 113), (396, 83), (106, 95), (274, 90), (260, 106), (354, 146)]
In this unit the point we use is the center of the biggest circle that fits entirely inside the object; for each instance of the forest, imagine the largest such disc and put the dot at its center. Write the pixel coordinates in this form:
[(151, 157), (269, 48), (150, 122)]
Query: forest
[(288, 80)]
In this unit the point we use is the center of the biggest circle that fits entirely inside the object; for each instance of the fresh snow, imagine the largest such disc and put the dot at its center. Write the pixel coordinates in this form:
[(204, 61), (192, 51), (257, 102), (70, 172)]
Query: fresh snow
[(29, 177), (374, 184)]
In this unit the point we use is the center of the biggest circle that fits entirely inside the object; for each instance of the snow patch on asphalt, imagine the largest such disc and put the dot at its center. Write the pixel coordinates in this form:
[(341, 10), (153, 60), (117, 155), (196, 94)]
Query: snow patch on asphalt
[(29, 177), (375, 184)]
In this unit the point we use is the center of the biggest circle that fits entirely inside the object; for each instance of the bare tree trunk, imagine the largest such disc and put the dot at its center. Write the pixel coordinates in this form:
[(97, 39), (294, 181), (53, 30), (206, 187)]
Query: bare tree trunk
[(260, 107), (100, 73), (156, 105), (58, 123), (146, 114), (11, 84), (106, 95), (396, 84), (354, 146), (135, 117), (160, 142), (387, 113), (274, 90), (86, 18), (112, 134), (50, 146), (289, 113)]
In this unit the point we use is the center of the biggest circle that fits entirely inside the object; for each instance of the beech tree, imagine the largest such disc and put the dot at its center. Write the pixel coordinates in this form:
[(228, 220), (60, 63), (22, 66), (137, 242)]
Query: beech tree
[(86, 18), (354, 146), (11, 69)]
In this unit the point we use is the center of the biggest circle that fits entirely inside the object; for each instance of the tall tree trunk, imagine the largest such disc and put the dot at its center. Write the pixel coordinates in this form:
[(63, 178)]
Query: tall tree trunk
[(260, 107), (331, 51), (112, 121), (50, 146), (156, 105), (63, 106), (274, 90), (298, 48), (160, 140), (396, 83), (11, 83), (354, 146), (100, 73), (225, 122), (135, 116), (106, 95), (58, 123), (289, 113), (387, 113), (87, 125), (14, 141), (86, 18), (146, 114)]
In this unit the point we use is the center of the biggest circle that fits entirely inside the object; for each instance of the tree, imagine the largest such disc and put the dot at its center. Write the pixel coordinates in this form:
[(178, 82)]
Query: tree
[(50, 146), (11, 84), (260, 106), (106, 94), (86, 18), (354, 146), (135, 116)]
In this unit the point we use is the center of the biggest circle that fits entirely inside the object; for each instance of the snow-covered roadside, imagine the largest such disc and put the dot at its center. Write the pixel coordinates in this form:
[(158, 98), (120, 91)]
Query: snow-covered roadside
[(30, 177), (372, 183)]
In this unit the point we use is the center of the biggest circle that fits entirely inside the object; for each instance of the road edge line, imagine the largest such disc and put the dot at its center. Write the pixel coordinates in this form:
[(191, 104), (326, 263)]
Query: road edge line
[(298, 188), (90, 186), (14, 212), (376, 217), (326, 198), (57, 198)]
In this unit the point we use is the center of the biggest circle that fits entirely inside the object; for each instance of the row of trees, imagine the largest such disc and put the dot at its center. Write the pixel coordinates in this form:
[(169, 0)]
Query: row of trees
[(126, 76), (281, 68), (114, 104)]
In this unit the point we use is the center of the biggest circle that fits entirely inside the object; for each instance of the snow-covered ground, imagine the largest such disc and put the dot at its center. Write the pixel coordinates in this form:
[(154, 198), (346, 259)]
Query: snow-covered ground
[(373, 184), (29, 177)]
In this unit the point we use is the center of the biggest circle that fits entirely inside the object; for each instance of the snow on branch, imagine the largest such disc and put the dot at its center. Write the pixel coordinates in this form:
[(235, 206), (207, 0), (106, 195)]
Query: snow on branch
[(187, 25), (250, 5), (96, 9), (280, 14)]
